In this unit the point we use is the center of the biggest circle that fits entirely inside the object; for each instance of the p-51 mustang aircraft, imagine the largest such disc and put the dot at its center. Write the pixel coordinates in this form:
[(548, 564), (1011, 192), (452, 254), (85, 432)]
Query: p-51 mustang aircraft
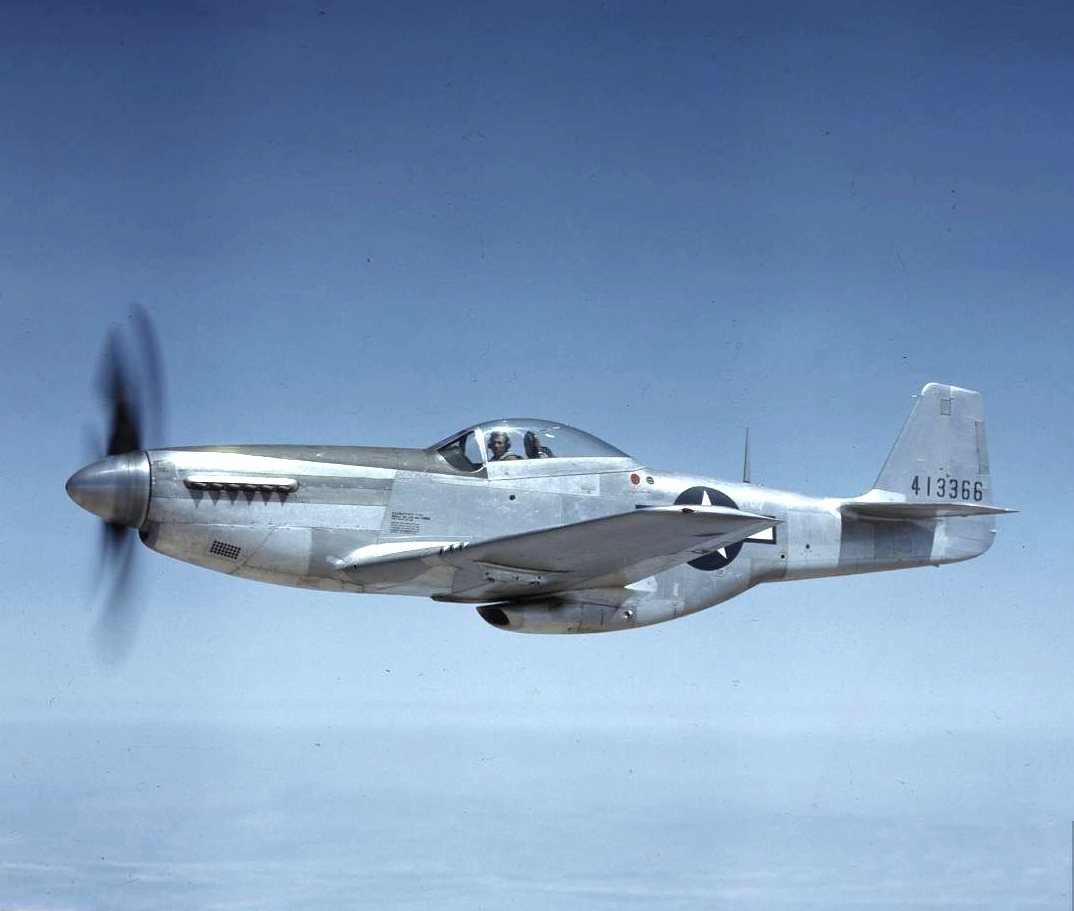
[(546, 528)]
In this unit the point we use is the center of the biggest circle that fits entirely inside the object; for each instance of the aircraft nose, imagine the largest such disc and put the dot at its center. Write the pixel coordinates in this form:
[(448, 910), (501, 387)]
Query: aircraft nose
[(116, 488)]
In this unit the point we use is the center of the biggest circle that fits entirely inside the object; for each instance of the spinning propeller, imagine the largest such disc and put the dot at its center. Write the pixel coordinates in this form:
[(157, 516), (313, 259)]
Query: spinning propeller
[(131, 388)]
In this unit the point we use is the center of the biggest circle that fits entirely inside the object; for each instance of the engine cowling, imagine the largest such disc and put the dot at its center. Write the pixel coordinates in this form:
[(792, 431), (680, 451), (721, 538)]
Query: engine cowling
[(562, 615)]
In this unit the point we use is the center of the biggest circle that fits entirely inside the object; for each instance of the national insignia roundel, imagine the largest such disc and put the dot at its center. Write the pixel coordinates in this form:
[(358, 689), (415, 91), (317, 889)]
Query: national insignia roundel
[(710, 496)]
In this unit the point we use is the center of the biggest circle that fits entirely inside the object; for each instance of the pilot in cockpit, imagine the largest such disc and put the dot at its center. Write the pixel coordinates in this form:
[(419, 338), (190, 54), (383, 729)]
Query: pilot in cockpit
[(498, 444), (534, 449)]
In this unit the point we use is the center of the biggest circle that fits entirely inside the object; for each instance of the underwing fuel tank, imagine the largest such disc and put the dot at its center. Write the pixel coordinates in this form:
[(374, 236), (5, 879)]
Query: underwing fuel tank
[(561, 615)]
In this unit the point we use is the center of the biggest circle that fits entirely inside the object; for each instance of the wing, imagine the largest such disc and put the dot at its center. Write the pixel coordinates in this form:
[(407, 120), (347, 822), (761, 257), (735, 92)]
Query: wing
[(610, 551)]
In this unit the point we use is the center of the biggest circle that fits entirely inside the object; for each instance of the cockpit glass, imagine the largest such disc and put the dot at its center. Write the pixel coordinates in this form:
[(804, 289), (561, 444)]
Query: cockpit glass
[(462, 453), (516, 440)]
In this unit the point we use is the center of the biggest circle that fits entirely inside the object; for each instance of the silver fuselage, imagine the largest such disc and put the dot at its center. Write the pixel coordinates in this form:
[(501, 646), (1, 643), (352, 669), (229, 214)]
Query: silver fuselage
[(350, 499)]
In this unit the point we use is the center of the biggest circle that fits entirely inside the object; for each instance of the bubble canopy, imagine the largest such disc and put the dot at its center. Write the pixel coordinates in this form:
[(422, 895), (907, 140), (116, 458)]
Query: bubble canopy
[(516, 439)]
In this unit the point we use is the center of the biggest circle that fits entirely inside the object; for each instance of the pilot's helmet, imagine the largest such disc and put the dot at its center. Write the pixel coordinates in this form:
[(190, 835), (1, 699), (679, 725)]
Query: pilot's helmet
[(498, 436)]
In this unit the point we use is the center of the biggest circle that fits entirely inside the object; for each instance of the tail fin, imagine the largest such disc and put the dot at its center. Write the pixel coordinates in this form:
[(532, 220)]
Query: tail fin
[(941, 453), (938, 472)]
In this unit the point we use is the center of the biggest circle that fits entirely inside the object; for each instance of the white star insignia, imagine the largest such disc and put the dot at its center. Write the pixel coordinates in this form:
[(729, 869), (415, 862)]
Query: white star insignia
[(707, 501)]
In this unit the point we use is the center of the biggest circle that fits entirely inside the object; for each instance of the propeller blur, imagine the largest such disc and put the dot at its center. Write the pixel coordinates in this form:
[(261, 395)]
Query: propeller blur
[(117, 487)]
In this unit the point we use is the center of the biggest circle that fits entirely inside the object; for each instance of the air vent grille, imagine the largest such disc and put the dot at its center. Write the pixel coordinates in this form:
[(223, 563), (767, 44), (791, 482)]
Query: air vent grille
[(223, 549), (239, 482)]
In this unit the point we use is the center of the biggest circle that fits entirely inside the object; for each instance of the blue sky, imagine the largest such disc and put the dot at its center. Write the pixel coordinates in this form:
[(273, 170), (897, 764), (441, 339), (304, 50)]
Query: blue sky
[(661, 223)]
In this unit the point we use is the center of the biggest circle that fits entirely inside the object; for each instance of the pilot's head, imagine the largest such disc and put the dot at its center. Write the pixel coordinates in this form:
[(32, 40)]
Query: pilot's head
[(498, 444)]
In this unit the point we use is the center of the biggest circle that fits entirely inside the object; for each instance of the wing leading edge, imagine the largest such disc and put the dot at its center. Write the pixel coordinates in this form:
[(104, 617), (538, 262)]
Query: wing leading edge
[(611, 551)]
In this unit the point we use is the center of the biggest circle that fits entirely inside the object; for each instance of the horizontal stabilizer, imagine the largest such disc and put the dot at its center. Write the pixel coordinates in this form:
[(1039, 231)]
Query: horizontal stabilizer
[(904, 511)]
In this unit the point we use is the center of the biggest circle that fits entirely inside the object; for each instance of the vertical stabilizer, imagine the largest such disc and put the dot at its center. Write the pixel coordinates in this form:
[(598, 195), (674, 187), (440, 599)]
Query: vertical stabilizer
[(941, 459), (941, 453)]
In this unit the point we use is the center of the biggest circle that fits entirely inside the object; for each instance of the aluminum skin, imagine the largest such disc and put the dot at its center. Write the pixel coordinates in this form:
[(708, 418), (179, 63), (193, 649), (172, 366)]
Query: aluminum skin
[(547, 529)]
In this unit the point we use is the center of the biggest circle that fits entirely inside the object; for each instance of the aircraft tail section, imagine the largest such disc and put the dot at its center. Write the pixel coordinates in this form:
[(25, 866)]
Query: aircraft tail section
[(941, 453), (938, 476)]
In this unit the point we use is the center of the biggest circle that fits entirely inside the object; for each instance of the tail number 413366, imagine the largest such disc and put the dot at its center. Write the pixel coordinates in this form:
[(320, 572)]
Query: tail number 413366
[(947, 488)]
